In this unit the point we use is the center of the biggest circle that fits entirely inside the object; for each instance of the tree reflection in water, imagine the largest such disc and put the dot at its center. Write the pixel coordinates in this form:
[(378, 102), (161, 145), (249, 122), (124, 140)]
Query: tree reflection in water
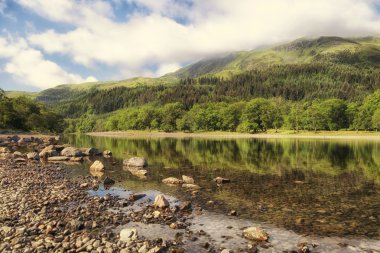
[(310, 186)]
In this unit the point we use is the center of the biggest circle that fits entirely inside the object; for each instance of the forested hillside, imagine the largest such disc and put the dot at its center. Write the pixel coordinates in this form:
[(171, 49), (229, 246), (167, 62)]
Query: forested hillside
[(328, 83)]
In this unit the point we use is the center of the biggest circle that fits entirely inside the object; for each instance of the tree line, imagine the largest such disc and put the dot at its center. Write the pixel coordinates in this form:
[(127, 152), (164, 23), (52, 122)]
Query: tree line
[(252, 116), (25, 114), (294, 82)]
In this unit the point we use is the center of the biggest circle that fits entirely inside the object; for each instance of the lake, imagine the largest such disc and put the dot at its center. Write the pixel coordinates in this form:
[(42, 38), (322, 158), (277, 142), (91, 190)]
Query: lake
[(311, 187)]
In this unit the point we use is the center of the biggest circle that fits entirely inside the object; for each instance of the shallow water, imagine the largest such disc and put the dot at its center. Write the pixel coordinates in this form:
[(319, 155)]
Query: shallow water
[(312, 188)]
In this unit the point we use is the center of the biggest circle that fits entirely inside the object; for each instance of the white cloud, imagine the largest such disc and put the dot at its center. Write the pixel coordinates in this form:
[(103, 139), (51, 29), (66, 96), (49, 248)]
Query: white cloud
[(167, 68), (28, 65), (82, 12), (212, 27), (91, 79)]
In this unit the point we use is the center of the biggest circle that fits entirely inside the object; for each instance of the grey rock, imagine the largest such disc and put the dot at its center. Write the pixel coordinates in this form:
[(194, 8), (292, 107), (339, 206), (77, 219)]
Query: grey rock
[(90, 151), (17, 154), (48, 152), (58, 158), (97, 166), (71, 152), (33, 156), (255, 233), (128, 234), (161, 202), (136, 162), (191, 186), (172, 180), (187, 179)]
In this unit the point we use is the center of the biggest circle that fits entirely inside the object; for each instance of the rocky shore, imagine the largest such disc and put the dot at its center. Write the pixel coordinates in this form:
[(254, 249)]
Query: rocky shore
[(42, 209)]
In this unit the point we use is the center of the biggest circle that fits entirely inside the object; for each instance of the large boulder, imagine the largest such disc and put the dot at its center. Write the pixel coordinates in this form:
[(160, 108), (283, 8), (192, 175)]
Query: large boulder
[(97, 166), (255, 233), (135, 162), (128, 234), (161, 202), (90, 151), (172, 180), (71, 152)]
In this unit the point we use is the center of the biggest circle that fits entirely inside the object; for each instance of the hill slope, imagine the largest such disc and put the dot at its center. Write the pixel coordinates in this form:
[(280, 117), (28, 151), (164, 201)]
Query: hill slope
[(304, 69), (357, 52), (360, 51)]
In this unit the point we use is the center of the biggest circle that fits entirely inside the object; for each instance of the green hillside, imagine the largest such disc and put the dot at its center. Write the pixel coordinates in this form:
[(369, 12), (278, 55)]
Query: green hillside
[(361, 51), (15, 94), (326, 83)]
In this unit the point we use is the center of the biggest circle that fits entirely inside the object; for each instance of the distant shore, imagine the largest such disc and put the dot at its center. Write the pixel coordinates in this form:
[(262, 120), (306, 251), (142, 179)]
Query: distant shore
[(338, 135)]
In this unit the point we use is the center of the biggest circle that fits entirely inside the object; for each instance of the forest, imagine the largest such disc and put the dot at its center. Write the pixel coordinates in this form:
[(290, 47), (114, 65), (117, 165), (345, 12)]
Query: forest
[(25, 114), (313, 97), (252, 116), (310, 96), (294, 82)]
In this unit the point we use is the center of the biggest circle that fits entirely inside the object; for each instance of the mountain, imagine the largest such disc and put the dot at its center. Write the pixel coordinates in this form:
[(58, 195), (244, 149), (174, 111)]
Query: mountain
[(304, 69), (359, 51), (331, 82), (355, 51)]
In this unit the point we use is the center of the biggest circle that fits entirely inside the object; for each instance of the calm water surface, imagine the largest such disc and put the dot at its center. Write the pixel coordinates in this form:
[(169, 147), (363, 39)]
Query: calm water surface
[(311, 187)]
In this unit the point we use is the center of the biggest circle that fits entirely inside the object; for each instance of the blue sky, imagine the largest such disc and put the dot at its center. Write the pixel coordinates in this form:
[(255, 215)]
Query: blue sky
[(47, 43)]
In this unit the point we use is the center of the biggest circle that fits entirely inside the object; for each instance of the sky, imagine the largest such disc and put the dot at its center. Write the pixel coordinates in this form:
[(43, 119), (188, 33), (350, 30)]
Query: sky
[(44, 43)]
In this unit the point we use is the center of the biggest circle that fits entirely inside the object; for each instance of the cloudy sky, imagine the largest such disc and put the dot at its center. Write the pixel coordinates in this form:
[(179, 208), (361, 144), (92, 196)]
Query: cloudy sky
[(44, 43)]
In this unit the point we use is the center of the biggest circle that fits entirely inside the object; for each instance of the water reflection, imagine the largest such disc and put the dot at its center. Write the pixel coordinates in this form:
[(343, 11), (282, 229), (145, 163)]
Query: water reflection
[(309, 186)]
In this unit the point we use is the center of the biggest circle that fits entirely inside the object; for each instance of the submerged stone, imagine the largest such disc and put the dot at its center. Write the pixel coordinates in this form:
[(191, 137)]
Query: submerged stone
[(255, 233), (136, 162), (97, 166)]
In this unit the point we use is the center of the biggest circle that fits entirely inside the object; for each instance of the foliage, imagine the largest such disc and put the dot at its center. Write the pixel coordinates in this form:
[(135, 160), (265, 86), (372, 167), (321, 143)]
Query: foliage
[(328, 83), (22, 113), (376, 119)]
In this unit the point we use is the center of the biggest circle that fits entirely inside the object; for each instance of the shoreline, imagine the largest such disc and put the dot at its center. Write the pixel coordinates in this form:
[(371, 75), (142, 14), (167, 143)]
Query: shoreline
[(336, 135), (28, 135), (56, 212)]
